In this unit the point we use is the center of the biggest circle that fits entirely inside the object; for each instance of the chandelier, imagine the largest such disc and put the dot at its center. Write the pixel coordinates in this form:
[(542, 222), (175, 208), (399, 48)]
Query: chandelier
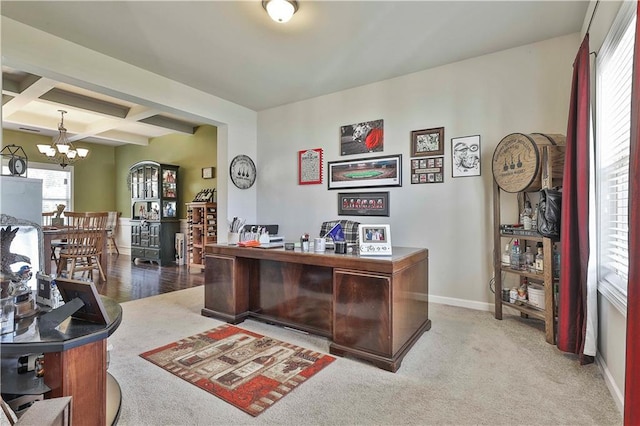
[(61, 150)]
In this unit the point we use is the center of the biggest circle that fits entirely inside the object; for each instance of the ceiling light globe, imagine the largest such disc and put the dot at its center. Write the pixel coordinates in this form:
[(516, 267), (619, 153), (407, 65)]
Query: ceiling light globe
[(62, 148), (43, 148), (280, 11), (82, 152)]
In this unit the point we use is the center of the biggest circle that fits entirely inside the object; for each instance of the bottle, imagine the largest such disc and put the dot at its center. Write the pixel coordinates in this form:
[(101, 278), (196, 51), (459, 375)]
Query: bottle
[(556, 262), (253, 366), (539, 260), (506, 257), (522, 290), (534, 219), (304, 242), (529, 260), (515, 255), (54, 295), (525, 216)]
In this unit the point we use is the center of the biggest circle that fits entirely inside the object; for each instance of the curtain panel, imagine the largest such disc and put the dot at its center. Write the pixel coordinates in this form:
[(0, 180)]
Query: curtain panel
[(574, 233), (632, 369)]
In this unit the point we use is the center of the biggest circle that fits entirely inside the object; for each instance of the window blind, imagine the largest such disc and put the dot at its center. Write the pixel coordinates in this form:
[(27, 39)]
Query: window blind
[(613, 117)]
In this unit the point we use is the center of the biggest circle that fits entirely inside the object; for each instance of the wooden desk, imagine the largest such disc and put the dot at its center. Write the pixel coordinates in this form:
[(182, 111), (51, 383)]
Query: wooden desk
[(372, 308), (51, 234), (75, 358)]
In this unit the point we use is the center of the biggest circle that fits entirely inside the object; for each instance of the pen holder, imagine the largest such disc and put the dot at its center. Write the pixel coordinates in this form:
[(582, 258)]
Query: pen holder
[(264, 238), (233, 237), (341, 247), (319, 245)]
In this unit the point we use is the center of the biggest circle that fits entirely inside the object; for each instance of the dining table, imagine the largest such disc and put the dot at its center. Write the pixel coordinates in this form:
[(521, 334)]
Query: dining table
[(52, 233)]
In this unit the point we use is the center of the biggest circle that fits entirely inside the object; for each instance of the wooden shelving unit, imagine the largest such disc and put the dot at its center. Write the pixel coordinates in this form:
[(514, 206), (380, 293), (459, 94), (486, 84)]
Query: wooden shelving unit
[(548, 315), (542, 156), (202, 219)]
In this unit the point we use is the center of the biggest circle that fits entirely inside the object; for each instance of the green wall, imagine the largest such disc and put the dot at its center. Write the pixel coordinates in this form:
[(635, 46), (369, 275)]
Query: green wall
[(190, 152), (94, 183), (100, 180)]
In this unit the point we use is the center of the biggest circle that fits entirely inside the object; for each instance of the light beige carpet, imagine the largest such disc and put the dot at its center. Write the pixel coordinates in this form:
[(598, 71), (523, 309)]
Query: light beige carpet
[(468, 369)]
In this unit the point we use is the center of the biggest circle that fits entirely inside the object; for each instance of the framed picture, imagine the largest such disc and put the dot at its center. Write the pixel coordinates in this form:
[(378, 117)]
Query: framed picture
[(362, 137), (465, 157), (208, 172), (93, 309), (363, 204), (365, 172), (427, 142), (427, 170), (375, 240), (310, 166)]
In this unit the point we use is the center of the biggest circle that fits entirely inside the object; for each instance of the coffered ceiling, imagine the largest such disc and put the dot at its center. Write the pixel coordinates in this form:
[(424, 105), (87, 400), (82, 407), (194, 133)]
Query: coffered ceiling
[(32, 104), (231, 49)]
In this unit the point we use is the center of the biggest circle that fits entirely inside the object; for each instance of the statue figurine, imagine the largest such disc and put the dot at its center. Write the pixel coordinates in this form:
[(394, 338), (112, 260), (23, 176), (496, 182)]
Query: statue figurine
[(24, 274), (58, 220), (8, 258), (18, 287)]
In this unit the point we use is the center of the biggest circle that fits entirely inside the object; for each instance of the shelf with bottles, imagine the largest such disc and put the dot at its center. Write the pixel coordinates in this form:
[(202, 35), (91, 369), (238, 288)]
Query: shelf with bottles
[(202, 220), (207, 195), (510, 267), (531, 261)]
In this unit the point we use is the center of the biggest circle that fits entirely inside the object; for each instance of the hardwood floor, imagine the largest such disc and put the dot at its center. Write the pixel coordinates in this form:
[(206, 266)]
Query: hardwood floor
[(127, 281)]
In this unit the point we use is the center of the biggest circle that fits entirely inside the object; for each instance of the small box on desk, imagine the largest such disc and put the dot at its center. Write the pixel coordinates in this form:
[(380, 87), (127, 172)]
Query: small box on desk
[(43, 295)]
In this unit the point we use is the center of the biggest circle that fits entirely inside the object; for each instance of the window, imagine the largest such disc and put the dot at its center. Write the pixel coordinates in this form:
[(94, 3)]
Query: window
[(613, 123), (56, 184)]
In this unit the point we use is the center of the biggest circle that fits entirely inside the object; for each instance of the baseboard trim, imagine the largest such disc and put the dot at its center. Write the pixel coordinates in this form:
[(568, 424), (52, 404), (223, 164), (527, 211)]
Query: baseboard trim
[(614, 390), (462, 303)]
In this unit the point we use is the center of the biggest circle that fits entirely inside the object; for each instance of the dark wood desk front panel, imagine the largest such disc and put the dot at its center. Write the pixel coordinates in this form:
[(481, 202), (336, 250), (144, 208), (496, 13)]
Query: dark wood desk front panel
[(371, 308), (295, 294)]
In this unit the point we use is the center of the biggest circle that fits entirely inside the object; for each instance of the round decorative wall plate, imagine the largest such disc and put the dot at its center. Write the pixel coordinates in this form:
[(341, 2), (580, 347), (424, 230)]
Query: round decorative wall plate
[(242, 171)]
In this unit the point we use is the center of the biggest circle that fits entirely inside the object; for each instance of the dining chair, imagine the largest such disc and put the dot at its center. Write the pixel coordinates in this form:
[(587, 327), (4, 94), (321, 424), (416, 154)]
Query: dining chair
[(56, 245), (112, 231), (46, 218), (84, 244)]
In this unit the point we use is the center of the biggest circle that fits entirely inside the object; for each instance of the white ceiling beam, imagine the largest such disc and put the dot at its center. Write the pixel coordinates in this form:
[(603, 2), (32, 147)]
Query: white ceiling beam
[(30, 94)]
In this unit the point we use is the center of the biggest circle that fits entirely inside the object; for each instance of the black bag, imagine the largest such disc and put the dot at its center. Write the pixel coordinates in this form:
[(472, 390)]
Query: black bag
[(549, 212)]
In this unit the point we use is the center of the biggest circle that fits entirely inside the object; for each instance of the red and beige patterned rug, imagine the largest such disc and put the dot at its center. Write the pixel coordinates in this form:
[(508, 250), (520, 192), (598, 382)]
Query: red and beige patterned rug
[(246, 369)]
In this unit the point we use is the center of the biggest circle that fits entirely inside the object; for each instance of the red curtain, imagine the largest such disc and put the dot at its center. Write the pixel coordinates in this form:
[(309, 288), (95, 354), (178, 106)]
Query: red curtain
[(632, 371), (574, 231)]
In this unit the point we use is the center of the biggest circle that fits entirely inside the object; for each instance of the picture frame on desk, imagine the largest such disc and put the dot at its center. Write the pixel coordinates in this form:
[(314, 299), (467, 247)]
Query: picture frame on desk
[(375, 239), (93, 309)]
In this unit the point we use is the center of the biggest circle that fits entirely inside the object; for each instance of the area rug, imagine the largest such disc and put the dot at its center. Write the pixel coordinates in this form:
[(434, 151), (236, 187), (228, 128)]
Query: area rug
[(245, 369)]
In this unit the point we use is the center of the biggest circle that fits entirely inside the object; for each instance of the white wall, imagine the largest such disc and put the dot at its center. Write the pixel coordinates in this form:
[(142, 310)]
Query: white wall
[(518, 90)]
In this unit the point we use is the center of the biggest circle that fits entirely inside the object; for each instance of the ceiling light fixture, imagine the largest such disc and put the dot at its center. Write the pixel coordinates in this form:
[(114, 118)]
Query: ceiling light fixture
[(280, 11), (61, 150)]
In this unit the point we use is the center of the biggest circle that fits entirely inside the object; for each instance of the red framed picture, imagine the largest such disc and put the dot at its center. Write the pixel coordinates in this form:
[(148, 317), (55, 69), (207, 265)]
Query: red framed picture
[(310, 166)]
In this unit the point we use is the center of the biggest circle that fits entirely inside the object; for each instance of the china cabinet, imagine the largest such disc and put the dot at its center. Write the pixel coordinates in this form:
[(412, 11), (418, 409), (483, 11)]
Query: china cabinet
[(154, 211)]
